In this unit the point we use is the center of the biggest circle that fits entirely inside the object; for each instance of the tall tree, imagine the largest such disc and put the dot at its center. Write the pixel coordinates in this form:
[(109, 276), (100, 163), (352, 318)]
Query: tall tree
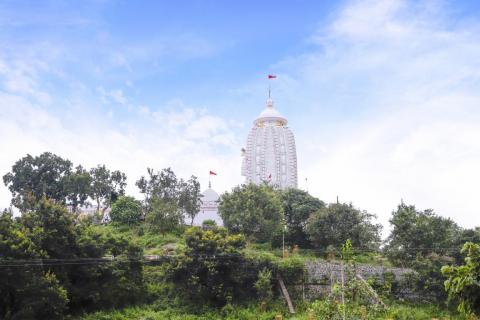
[(419, 233), (53, 230), (160, 185), (338, 222), (32, 178), (106, 186), (77, 186), (190, 197), (298, 206), (253, 210), (27, 292), (163, 215)]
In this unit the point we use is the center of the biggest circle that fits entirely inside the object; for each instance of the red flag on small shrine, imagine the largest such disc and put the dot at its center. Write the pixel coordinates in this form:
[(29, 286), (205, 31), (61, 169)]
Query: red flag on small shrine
[(213, 173), (271, 76)]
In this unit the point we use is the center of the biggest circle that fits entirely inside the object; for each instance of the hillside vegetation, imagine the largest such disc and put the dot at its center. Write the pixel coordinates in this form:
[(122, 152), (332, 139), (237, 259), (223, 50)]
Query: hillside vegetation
[(146, 262)]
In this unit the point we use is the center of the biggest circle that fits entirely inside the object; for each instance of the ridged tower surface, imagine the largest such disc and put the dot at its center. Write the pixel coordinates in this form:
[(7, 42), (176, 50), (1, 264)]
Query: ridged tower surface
[(270, 155)]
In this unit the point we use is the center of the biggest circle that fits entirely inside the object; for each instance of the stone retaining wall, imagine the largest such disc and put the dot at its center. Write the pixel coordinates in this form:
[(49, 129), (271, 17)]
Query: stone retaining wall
[(320, 272)]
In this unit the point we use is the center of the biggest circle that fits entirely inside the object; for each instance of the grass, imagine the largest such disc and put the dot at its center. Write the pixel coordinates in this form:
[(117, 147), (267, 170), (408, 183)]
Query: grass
[(153, 243), (166, 305), (153, 312)]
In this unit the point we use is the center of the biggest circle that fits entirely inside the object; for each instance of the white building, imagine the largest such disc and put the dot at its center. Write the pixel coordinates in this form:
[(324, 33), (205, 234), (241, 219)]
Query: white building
[(270, 155), (208, 207)]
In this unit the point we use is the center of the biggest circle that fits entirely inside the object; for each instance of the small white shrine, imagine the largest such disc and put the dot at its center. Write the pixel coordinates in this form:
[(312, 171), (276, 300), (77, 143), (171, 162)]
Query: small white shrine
[(208, 207)]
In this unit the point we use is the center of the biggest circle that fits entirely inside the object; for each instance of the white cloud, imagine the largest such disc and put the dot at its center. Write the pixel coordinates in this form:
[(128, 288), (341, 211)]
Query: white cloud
[(158, 142), (388, 108), (398, 86), (113, 95)]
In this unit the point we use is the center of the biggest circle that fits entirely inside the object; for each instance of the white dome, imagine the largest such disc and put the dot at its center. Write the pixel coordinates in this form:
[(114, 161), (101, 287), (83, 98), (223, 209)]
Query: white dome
[(210, 195), (270, 114)]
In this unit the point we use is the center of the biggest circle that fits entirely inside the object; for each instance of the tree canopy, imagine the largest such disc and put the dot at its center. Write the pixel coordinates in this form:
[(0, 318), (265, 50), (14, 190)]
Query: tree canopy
[(298, 205), (253, 210), (418, 232), (338, 222), (126, 210), (32, 178)]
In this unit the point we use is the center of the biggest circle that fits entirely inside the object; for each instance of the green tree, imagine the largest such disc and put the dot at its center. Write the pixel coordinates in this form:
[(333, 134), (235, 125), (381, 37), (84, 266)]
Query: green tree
[(78, 250), (298, 206), (32, 178), (255, 211), (463, 280), (126, 210), (77, 187), (263, 285), (159, 185), (106, 186), (338, 222), (163, 216), (419, 233), (211, 269), (190, 197), (27, 292)]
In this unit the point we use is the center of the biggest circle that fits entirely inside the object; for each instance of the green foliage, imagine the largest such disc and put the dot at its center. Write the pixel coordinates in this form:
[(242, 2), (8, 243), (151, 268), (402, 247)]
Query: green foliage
[(32, 178), (49, 231), (126, 210), (347, 251), (163, 190), (52, 177), (418, 233), (212, 270), (209, 223), (463, 281), (160, 185), (77, 186), (291, 269), (320, 310), (263, 285), (163, 216), (298, 205), (336, 223), (26, 292), (106, 186), (255, 211), (189, 198)]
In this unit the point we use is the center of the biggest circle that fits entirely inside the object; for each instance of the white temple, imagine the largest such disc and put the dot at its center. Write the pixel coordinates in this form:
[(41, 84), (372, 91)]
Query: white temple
[(208, 207), (270, 155)]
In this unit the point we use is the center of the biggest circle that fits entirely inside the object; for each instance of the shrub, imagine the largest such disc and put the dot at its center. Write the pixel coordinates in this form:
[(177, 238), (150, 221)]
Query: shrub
[(462, 282), (126, 210), (264, 285)]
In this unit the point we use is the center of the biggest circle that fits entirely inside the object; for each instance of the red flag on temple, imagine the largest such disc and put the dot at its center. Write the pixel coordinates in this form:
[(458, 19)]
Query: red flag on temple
[(213, 173), (271, 76)]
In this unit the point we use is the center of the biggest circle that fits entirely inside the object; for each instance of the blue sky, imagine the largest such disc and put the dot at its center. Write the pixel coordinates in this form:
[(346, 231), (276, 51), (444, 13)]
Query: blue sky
[(383, 96)]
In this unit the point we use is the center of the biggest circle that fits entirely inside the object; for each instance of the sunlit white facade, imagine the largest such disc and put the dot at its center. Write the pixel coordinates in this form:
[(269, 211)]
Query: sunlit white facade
[(270, 155)]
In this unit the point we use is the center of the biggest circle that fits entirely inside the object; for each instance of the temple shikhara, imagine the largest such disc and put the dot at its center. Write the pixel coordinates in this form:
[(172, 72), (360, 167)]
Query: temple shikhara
[(270, 155)]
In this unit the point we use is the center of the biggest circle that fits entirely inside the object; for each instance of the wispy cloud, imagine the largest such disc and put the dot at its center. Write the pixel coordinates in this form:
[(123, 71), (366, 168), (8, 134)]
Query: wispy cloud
[(397, 84)]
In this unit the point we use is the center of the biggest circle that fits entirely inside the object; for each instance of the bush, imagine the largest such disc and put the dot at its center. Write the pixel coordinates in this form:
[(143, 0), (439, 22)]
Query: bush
[(126, 210), (462, 282), (334, 224), (255, 211), (264, 285), (163, 216)]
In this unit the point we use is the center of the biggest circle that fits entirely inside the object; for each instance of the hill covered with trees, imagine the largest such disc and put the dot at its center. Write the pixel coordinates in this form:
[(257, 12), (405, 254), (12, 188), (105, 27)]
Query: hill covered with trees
[(148, 263)]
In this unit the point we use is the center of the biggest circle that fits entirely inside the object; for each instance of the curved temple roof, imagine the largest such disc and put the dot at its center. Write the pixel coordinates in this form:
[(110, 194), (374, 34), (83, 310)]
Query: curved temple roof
[(270, 114)]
